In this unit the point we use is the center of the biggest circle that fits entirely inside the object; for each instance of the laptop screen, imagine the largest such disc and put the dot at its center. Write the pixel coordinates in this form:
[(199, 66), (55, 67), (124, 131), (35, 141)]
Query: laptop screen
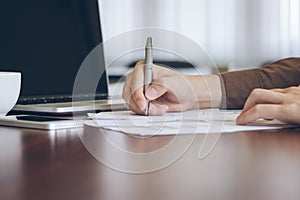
[(47, 41)]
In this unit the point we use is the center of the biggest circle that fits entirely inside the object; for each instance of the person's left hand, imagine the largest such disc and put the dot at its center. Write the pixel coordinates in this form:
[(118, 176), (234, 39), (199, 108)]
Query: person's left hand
[(280, 104)]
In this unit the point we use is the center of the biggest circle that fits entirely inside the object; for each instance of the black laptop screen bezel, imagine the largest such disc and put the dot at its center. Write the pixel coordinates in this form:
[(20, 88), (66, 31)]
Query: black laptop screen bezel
[(47, 41)]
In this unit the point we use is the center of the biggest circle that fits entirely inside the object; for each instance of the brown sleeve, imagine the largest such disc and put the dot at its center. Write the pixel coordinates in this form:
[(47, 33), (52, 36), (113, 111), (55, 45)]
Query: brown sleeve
[(237, 85)]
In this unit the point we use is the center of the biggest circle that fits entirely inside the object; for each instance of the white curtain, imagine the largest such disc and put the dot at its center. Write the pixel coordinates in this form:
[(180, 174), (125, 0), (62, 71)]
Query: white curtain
[(239, 33)]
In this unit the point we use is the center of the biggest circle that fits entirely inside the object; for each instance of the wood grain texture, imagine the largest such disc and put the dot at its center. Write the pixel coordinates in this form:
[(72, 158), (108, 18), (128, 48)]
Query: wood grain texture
[(56, 165)]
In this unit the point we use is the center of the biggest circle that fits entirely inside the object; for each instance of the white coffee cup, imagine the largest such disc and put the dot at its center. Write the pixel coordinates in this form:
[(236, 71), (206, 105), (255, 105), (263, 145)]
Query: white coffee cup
[(10, 85)]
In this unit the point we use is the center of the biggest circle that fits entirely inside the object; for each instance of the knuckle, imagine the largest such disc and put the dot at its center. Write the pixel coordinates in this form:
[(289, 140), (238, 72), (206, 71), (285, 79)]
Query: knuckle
[(139, 65), (256, 92), (289, 89), (257, 108), (282, 111), (292, 88), (136, 94), (291, 107)]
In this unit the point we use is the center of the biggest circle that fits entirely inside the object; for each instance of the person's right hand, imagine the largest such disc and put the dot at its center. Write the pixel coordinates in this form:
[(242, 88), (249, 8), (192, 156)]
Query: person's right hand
[(170, 91), (280, 104)]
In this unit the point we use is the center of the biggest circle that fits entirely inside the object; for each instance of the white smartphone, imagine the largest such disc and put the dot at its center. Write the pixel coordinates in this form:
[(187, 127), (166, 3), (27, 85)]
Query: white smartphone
[(40, 122)]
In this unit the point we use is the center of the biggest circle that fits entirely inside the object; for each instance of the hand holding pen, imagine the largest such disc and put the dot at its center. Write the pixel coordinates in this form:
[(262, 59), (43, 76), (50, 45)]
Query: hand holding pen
[(167, 89)]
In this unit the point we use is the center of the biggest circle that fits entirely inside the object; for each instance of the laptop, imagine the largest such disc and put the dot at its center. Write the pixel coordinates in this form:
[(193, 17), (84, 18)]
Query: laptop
[(47, 41)]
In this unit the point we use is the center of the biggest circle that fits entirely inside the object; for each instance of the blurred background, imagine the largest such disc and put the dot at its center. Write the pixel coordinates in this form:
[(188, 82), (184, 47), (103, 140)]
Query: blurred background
[(237, 34)]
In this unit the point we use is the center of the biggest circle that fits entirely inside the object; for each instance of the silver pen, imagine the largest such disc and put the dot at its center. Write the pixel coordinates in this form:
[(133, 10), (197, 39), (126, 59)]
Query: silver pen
[(148, 70)]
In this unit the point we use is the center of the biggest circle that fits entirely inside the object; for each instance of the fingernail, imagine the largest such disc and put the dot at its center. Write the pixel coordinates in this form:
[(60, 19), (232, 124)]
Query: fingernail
[(152, 93)]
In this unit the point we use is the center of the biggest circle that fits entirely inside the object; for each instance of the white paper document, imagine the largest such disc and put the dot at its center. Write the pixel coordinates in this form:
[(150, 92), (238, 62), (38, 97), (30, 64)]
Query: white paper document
[(189, 122)]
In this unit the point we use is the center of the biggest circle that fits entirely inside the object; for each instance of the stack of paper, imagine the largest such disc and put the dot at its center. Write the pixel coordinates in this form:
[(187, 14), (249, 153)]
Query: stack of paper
[(189, 122)]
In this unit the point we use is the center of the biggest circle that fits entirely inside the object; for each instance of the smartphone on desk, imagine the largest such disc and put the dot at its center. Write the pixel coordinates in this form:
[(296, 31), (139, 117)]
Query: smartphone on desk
[(40, 122)]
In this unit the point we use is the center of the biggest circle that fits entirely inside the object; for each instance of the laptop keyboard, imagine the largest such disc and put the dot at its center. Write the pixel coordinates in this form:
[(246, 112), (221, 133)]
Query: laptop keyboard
[(59, 99)]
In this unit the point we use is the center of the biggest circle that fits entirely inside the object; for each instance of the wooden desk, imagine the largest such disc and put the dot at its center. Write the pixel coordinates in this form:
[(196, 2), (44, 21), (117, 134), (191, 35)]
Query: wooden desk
[(56, 165)]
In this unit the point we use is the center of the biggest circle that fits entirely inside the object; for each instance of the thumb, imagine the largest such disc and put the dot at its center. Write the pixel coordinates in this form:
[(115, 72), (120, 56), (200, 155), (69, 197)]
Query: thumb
[(155, 91)]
